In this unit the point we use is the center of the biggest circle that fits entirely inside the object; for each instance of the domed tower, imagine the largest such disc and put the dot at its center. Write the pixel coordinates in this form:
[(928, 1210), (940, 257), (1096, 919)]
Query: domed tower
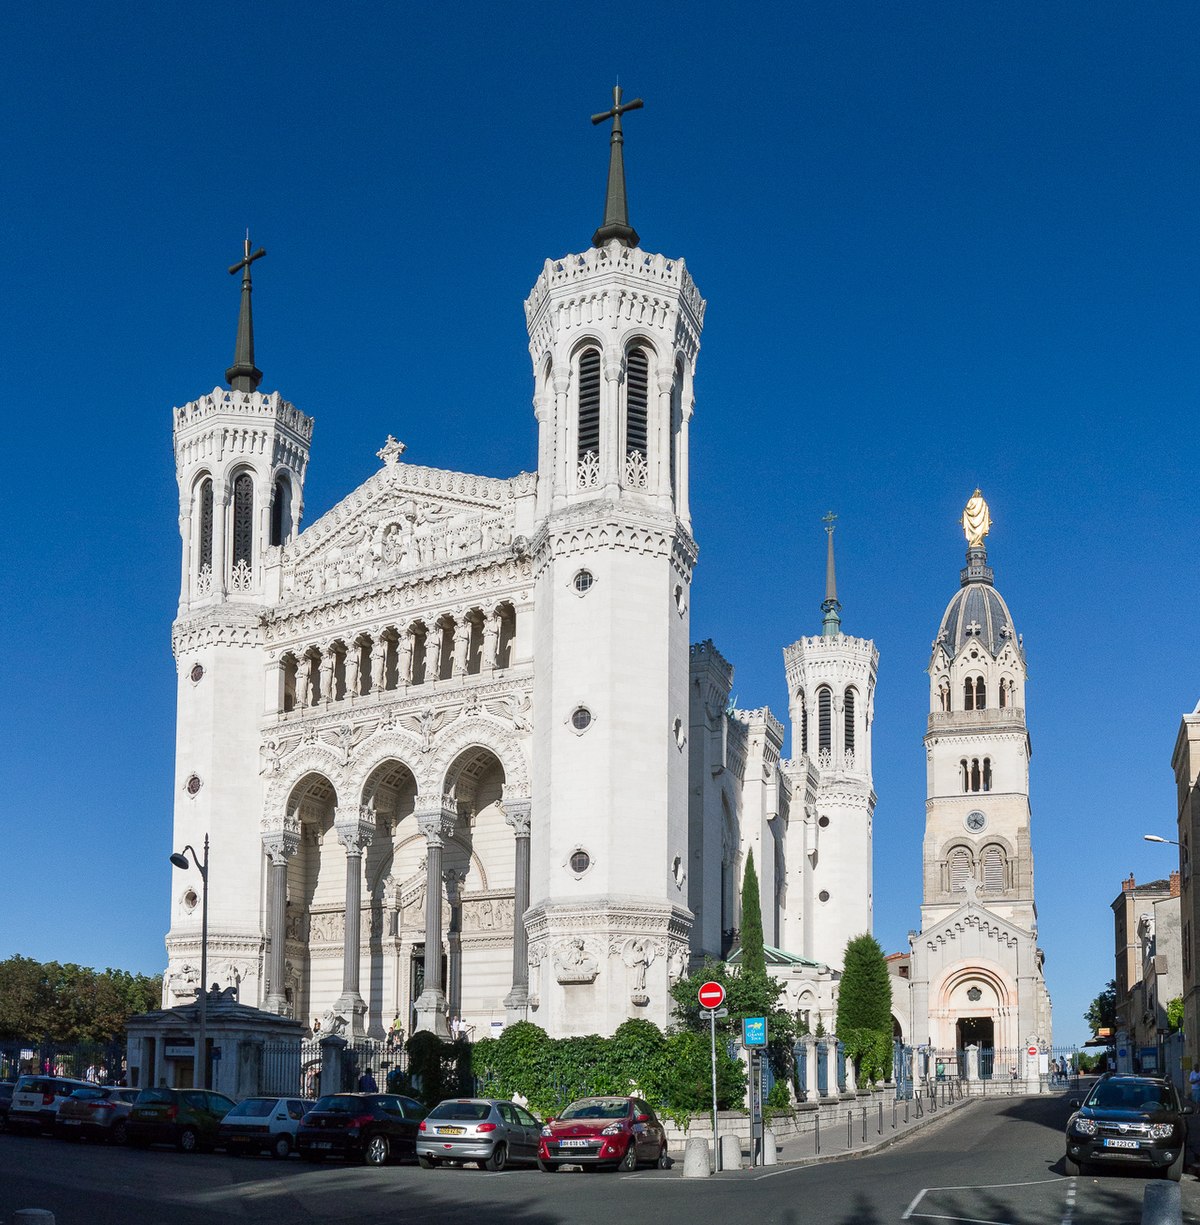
[(976, 969), (240, 457), (831, 689), (613, 334)]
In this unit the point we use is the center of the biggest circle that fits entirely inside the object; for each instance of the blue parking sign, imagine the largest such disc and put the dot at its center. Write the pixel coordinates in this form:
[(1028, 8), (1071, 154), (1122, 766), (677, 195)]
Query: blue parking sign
[(754, 1031)]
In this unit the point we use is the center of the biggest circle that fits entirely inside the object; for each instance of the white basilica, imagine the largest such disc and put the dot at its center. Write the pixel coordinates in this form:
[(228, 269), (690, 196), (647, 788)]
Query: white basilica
[(452, 746)]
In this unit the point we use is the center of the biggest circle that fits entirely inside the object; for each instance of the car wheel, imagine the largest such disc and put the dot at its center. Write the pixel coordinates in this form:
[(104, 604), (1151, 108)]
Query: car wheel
[(664, 1160), (188, 1141), (376, 1152), (281, 1146), (119, 1133), (426, 1163), (1175, 1170), (547, 1167), (498, 1160), (629, 1161), (1070, 1167)]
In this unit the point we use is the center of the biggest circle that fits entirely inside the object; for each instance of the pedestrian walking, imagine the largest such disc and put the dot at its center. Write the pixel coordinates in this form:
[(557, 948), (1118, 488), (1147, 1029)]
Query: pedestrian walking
[(1194, 1084), (366, 1083)]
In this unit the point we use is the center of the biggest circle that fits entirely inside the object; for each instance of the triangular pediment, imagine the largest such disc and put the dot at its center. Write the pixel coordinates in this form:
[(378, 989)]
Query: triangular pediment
[(973, 914)]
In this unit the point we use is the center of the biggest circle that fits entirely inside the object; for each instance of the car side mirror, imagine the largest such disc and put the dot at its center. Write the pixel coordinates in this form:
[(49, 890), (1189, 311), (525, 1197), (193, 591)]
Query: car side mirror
[(1075, 1103)]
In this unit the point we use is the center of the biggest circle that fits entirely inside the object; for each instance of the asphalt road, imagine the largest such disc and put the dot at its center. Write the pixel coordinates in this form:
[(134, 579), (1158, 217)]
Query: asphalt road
[(993, 1162)]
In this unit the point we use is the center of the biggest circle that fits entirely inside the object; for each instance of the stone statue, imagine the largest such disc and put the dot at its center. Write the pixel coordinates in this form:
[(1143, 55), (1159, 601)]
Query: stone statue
[(976, 520), (573, 964)]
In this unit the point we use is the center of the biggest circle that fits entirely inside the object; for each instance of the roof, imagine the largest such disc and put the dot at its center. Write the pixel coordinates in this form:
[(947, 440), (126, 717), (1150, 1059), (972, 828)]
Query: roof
[(222, 1010), (977, 612), (777, 957)]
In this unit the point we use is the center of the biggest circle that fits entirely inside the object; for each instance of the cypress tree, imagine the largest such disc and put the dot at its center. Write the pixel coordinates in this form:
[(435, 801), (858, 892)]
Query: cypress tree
[(864, 1012), (753, 960)]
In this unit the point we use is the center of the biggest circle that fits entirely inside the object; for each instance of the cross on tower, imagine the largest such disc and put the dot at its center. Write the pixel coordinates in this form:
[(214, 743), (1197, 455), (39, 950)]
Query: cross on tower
[(974, 628), (247, 259), (244, 375), (829, 519), (616, 209)]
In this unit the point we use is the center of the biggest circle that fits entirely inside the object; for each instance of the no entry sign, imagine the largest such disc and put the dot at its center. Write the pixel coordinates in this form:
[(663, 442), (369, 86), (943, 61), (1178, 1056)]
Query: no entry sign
[(1033, 1050), (711, 995)]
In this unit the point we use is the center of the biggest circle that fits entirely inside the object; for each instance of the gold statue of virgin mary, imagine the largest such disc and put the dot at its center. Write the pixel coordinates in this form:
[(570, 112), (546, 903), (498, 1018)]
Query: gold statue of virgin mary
[(976, 520)]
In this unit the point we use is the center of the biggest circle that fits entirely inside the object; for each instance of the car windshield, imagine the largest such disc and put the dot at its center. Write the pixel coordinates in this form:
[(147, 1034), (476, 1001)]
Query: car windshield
[(1138, 1095), (596, 1110), (461, 1110), (339, 1105), (34, 1084), (254, 1107)]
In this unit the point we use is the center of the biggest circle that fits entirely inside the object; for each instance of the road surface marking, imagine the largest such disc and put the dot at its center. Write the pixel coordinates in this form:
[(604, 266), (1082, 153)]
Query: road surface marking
[(910, 1211)]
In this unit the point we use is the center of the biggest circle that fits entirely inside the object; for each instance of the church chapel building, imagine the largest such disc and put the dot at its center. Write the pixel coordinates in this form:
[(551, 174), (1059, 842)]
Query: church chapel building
[(452, 745)]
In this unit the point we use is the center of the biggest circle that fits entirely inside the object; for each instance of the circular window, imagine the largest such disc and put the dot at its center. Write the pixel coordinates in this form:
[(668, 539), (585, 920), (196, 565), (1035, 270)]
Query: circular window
[(196, 673), (580, 861), (193, 785), (190, 899), (822, 821), (824, 895), (583, 581), (581, 718)]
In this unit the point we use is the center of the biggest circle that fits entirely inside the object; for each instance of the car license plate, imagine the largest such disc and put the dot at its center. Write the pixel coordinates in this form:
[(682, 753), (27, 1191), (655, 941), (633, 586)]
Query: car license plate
[(322, 1144), (573, 1143), (70, 1122), (1120, 1144), (451, 1131)]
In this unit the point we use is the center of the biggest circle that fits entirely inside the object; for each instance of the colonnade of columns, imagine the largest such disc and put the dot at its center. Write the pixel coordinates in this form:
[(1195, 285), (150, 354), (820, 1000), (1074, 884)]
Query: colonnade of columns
[(465, 642), (436, 817)]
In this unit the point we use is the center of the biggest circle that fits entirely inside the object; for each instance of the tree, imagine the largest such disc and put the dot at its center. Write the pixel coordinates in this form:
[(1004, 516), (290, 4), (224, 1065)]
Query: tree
[(864, 1011), (753, 960), (1175, 1013), (1102, 1011)]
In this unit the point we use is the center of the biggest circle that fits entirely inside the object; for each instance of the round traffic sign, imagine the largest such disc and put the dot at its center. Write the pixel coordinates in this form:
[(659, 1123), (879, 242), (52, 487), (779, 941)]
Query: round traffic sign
[(1033, 1050), (711, 995)]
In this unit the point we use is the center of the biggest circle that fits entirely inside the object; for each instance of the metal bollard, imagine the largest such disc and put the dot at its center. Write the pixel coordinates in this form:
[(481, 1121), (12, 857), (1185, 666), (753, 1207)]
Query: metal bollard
[(1162, 1204), (696, 1159), (849, 1128), (864, 1125), (879, 1129), (817, 1129)]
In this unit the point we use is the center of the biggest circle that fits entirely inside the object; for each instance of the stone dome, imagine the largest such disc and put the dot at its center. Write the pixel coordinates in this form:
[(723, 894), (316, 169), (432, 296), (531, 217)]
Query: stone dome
[(977, 612)]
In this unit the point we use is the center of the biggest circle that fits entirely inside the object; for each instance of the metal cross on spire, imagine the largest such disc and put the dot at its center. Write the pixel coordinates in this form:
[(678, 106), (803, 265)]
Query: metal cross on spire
[(831, 626), (616, 209), (244, 375)]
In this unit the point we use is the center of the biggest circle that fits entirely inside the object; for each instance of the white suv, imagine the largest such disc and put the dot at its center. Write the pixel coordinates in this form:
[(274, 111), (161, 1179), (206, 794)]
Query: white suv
[(36, 1099)]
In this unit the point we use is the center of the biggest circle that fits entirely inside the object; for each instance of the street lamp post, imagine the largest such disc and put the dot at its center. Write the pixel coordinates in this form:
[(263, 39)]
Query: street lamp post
[(200, 1058), (1184, 858)]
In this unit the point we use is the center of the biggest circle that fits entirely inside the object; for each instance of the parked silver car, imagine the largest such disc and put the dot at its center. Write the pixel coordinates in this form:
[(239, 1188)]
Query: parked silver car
[(490, 1131), (263, 1123), (95, 1113)]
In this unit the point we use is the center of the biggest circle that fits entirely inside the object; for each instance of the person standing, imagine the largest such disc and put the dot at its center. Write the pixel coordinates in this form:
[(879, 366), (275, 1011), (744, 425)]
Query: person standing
[(1194, 1084), (366, 1083)]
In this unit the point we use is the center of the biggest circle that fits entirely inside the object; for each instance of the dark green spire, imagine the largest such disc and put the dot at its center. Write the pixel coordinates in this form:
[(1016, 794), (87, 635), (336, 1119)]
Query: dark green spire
[(244, 375), (831, 626), (616, 209)]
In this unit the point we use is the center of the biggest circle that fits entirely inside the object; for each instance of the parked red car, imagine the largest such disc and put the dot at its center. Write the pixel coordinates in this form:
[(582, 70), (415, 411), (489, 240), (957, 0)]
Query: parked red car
[(596, 1131)]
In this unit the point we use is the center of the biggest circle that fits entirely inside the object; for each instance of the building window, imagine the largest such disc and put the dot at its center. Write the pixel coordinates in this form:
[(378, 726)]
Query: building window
[(823, 895), (580, 862), (637, 400), (960, 868), (823, 822), (994, 870), (581, 718), (974, 693), (281, 512), (1003, 694), (803, 725), (980, 693), (824, 720), (243, 518), (964, 771), (588, 434), (849, 722), (975, 776), (987, 774), (206, 524), (583, 581)]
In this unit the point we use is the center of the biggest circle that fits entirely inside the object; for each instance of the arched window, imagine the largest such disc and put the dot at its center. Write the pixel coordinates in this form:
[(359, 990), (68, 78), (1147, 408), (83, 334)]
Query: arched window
[(960, 867), (637, 402), (824, 720), (206, 524), (588, 432), (975, 774), (965, 775), (994, 870), (243, 518), (1003, 694), (980, 693), (987, 774), (803, 725), (849, 724), (281, 511)]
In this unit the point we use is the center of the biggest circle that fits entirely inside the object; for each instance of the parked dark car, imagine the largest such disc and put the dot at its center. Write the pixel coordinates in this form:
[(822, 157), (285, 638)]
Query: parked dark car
[(98, 1112), (489, 1131), (595, 1131), (190, 1119), (370, 1127), (6, 1092), (1129, 1120)]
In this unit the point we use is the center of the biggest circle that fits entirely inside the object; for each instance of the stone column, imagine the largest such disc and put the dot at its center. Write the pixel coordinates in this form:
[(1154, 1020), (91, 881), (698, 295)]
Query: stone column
[(660, 473), (517, 813), (972, 1063), (219, 568), (185, 584), (435, 819), (612, 449), (279, 844), (810, 1058), (355, 836), (544, 416), (454, 879), (566, 440), (682, 507)]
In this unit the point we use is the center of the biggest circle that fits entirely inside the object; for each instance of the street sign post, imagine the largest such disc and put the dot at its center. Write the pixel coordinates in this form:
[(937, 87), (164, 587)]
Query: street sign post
[(754, 1039), (754, 1031), (711, 996)]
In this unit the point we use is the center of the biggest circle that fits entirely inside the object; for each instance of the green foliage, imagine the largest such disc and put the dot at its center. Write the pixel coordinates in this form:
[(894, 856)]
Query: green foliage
[(779, 1098), (437, 1069), (1102, 1011), (71, 1003), (753, 960), (864, 1012), (1175, 1014)]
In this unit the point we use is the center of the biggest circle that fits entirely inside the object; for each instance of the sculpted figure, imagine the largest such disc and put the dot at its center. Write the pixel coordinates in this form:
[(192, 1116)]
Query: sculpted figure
[(976, 520)]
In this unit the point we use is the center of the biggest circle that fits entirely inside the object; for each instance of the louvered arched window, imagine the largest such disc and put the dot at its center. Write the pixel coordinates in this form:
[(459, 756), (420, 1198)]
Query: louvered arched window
[(206, 525), (637, 403), (243, 518), (960, 867), (994, 870), (588, 433), (803, 725), (980, 693), (824, 720), (851, 704)]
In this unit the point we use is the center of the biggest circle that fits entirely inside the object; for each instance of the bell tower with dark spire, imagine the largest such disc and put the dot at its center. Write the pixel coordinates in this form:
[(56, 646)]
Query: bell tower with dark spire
[(831, 694), (614, 332), (240, 458)]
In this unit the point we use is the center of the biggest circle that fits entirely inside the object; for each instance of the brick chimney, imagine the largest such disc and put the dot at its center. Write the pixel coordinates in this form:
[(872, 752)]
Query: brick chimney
[(1175, 884), (1127, 886)]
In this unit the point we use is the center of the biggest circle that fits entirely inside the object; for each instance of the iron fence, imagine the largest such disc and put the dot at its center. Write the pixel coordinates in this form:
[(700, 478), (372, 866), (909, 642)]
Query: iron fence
[(103, 1062)]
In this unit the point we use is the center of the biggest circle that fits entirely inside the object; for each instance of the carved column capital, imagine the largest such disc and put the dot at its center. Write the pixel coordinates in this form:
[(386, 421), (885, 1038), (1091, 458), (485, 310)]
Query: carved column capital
[(436, 818), (454, 879), (665, 380), (281, 840), (517, 812), (355, 832)]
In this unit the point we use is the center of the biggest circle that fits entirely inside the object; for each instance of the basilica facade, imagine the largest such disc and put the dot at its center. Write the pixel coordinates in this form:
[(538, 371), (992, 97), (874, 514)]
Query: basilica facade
[(453, 748)]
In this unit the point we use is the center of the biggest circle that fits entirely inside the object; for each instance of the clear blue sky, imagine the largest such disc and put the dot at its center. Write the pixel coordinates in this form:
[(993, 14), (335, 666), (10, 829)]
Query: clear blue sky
[(943, 245)]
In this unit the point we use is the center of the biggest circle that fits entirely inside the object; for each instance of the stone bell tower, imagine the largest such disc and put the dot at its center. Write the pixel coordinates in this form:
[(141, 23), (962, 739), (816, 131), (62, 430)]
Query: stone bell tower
[(613, 333), (240, 457)]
